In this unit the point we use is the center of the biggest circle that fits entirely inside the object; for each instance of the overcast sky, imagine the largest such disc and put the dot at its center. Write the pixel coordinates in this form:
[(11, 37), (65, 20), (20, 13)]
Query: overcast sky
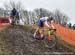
[(66, 6)]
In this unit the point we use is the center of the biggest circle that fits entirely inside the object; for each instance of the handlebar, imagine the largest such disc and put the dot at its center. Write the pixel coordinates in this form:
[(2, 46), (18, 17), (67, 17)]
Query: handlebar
[(53, 29)]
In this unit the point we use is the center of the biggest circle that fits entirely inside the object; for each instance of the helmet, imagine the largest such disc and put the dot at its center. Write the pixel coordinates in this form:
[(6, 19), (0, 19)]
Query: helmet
[(51, 18)]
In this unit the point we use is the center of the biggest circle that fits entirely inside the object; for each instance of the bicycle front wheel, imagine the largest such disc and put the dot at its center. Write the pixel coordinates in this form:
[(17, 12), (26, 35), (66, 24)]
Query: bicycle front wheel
[(51, 43)]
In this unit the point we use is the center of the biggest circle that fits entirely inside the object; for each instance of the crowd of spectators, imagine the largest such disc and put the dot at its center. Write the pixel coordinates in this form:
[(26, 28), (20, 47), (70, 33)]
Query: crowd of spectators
[(69, 25)]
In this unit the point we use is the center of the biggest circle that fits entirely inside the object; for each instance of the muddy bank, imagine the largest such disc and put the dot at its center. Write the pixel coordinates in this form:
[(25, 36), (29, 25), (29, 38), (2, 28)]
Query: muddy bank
[(18, 41)]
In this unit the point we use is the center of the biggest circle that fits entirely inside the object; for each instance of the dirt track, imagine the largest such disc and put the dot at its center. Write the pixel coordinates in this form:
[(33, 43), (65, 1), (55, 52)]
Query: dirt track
[(18, 41)]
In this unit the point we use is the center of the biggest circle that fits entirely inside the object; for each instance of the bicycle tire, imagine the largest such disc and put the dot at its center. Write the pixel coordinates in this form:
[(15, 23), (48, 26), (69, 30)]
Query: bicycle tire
[(51, 43), (38, 36)]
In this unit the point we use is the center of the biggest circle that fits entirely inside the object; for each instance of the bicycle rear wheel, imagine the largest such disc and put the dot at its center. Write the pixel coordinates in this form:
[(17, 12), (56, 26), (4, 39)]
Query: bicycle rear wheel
[(38, 36)]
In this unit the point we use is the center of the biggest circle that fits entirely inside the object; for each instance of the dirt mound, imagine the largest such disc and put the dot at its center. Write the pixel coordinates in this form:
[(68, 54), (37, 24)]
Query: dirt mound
[(19, 41)]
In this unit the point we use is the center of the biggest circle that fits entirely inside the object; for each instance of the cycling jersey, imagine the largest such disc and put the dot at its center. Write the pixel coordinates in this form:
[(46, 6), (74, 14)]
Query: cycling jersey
[(41, 20), (45, 20)]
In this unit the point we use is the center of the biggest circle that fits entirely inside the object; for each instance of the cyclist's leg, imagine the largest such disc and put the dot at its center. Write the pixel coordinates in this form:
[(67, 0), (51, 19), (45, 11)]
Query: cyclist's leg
[(52, 24), (37, 29), (41, 32)]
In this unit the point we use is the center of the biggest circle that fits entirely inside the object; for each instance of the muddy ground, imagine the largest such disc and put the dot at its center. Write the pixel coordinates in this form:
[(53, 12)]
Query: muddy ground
[(18, 41)]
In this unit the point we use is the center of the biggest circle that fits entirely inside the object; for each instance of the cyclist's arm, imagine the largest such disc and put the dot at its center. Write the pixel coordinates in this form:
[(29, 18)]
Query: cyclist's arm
[(52, 21), (51, 25), (46, 23)]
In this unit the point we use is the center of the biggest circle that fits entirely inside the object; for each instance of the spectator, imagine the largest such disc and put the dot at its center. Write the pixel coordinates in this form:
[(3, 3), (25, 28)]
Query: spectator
[(74, 26), (70, 25)]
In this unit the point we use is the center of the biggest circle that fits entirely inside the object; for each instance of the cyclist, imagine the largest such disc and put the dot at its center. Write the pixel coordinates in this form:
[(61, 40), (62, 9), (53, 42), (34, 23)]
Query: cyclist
[(41, 22), (14, 16)]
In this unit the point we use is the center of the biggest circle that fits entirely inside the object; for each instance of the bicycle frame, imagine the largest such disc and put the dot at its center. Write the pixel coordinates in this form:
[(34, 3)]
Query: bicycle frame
[(46, 32)]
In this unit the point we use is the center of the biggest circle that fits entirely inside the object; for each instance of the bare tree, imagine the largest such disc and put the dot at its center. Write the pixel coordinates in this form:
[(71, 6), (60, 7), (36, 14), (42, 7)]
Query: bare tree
[(13, 4), (26, 16), (42, 12), (1, 12), (60, 18)]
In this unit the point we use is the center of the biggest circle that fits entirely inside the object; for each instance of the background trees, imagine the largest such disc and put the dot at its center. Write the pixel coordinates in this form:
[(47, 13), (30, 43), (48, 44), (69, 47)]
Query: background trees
[(28, 17)]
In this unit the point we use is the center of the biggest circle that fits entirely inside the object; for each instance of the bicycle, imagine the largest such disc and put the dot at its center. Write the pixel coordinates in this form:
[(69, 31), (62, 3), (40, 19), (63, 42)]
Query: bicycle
[(49, 43)]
